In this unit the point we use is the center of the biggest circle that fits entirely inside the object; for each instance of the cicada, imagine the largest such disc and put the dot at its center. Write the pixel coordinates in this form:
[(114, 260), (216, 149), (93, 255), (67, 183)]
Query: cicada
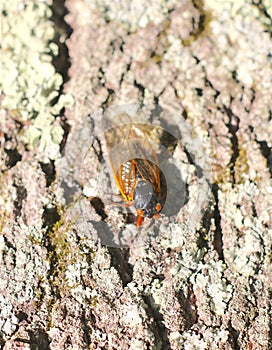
[(133, 160)]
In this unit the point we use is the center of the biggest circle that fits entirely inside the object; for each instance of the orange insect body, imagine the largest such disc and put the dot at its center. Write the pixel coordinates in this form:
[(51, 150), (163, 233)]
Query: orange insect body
[(133, 159), (139, 183)]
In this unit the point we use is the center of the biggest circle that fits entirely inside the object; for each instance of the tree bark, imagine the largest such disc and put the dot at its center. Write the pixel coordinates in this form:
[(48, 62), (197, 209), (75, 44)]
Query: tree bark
[(198, 278)]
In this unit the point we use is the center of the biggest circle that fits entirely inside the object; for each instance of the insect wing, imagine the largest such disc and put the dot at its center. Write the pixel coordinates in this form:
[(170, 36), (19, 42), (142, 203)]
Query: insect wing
[(149, 172), (131, 151)]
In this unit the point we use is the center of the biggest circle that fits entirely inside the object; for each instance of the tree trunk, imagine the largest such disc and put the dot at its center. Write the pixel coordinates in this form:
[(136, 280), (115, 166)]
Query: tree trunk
[(76, 272)]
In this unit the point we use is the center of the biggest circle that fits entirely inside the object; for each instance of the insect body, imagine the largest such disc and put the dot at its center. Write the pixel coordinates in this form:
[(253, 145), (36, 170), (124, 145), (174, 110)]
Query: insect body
[(139, 183), (133, 160)]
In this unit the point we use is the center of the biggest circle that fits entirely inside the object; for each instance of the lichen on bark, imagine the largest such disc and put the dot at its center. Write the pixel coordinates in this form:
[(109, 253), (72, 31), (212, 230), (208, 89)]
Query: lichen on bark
[(206, 288)]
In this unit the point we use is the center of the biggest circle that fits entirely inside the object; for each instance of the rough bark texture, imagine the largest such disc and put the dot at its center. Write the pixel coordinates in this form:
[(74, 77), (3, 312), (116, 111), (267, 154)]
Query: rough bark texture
[(207, 288)]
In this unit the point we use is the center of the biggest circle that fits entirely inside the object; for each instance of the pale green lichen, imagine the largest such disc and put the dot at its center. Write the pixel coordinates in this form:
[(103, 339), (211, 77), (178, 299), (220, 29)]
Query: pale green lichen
[(29, 81), (267, 4), (134, 15), (218, 291)]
